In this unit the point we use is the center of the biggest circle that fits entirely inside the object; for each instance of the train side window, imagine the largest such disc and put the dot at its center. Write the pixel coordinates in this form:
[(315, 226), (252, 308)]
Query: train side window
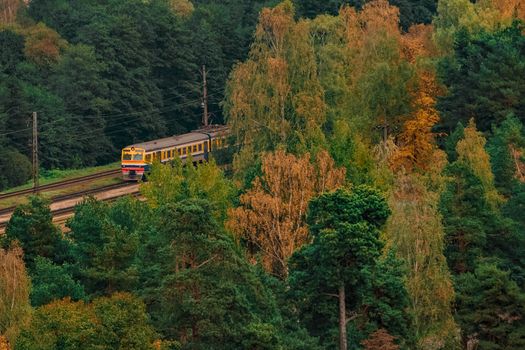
[(184, 150), (179, 151), (148, 157), (200, 147)]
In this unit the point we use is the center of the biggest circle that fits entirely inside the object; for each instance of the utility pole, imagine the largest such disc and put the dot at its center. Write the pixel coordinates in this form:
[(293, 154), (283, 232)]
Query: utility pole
[(204, 97), (35, 153)]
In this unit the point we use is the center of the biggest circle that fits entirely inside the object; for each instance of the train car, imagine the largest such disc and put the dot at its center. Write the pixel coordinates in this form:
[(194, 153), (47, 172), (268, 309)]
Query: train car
[(137, 159)]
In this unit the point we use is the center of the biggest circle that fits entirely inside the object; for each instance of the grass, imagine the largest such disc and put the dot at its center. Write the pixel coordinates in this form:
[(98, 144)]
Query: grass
[(61, 175), (51, 176)]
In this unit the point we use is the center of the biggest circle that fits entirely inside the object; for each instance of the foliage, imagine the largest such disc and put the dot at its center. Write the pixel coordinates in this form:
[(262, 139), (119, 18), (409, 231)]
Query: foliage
[(100, 75), (274, 99), (417, 140), (199, 289), (106, 239), (271, 218), (415, 228), (506, 148), (380, 340), (15, 168), (471, 153), (342, 261), (475, 225), (32, 226), (14, 293), (169, 184), (51, 282), (454, 16), (490, 309), (411, 11), (484, 78), (118, 322)]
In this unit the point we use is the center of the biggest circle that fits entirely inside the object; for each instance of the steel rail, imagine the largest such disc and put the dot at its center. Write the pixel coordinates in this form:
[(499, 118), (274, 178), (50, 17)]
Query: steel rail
[(60, 184)]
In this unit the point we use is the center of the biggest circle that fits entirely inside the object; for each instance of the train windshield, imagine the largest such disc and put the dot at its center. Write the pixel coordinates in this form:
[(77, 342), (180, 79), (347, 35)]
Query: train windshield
[(132, 154)]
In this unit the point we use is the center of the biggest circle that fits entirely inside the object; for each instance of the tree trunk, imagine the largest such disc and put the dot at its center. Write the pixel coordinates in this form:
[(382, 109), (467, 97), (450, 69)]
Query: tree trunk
[(385, 129), (342, 319)]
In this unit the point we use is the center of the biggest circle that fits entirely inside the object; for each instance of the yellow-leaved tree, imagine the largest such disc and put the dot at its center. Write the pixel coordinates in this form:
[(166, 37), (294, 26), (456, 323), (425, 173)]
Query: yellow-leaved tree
[(415, 228), (274, 98), (14, 294), (471, 152)]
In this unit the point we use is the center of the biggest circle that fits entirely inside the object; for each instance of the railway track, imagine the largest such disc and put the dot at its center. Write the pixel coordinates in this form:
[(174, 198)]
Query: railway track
[(69, 201), (61, 184)]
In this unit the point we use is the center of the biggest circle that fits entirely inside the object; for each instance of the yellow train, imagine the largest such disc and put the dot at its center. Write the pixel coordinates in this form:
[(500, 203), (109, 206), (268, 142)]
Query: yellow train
[(137, 159)]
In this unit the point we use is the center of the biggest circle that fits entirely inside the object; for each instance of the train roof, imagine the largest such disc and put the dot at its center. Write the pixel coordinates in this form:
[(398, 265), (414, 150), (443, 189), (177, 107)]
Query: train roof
[(179, 140)]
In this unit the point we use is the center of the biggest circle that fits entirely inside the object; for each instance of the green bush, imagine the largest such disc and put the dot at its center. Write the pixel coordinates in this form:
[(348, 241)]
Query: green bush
[(15, 169)]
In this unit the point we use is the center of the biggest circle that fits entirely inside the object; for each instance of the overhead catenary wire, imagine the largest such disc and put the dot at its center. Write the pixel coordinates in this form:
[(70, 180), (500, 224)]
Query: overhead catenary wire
[(118, 116), (93, 134)]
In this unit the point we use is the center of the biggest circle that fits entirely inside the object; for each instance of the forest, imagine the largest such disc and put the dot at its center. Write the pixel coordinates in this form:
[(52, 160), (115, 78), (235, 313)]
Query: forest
[(376, 194)]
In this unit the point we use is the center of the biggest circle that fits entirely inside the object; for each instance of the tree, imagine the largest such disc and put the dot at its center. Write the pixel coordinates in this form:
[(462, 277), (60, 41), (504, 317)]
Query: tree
[(471, 152), (472, 211), (77, 80), (490, 309), (106, 239), (200, 290), (471, 206), (385, 300), (274, 99), (182, 8), (366, 80), (272, 214), (117, 322), (8, 11), (417, 142), (345, 229), (32, 225), (416, 229), (411, 11), (43, 45), (380, 340), (14, 293), (169, 184), (124, 323), (52, 282), (484, 78), (506, 148), (15, 168)]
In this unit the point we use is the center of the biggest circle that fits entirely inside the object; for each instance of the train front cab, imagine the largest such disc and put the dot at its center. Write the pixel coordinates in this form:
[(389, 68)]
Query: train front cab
[(133, 164)]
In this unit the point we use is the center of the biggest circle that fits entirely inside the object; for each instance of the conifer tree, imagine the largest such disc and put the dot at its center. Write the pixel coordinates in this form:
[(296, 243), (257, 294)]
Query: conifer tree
[(32, 226), (490, 309), (345, 229)]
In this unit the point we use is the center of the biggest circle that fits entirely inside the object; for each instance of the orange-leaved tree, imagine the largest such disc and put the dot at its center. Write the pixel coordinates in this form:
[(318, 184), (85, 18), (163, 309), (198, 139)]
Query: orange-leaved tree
[(417, 141), (380, 340), (271, 217)]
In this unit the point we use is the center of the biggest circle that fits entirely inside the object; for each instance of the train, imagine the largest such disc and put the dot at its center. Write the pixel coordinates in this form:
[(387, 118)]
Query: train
[(136, 159)]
